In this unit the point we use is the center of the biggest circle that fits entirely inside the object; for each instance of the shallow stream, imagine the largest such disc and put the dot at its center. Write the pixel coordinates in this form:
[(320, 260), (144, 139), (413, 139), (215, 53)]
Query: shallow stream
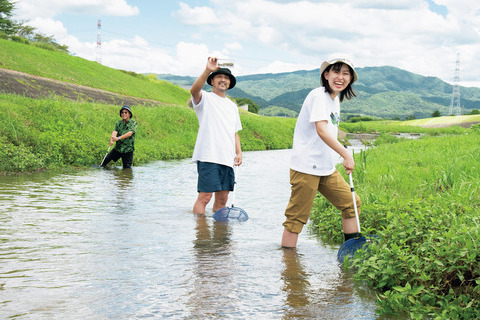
[(124, 244)]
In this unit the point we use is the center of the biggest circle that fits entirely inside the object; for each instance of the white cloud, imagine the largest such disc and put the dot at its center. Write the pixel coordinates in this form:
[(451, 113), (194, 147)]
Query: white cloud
[(279, 66), (285, 35), (49, 27), (189, 58), (406, 34), (234, 46), (197, 16), (31, 9)]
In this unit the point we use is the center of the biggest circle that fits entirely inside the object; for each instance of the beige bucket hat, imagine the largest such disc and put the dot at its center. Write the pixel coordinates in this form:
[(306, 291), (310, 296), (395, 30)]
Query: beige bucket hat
[(349, 63)]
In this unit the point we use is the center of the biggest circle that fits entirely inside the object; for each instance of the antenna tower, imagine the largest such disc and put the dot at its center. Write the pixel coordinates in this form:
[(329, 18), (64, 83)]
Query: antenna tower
[(99, 42), (455, 107)]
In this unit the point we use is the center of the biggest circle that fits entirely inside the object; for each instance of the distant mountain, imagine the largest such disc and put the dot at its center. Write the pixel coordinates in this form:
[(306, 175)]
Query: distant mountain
[(385, 92)]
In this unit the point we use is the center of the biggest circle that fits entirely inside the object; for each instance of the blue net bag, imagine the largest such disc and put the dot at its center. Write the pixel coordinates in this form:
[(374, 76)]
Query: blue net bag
[(349, 247), (230, 213)]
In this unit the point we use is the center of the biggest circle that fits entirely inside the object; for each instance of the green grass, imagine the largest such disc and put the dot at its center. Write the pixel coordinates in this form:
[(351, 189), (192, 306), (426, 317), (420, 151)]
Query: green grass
[(443, 120), (392, 126), (64, 67), (422, 198), (53, 133)]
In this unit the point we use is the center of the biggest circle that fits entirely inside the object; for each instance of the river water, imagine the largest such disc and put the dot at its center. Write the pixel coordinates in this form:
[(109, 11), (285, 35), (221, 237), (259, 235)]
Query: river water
[(124, 244)]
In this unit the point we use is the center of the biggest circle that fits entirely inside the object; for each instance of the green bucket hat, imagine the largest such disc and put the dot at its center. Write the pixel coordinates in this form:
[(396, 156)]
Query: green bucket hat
[(128, 109)]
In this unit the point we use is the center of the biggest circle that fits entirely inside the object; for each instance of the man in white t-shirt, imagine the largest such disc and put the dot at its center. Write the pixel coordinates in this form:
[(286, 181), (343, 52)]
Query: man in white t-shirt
[(217, 148), (316, 151)]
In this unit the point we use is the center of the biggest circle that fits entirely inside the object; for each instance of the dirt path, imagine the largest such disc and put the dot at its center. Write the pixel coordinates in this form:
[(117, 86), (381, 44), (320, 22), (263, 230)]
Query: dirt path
[(449, 124), (39, 87)]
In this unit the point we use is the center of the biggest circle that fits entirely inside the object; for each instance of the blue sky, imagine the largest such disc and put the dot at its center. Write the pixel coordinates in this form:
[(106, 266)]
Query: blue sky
[(263, 36)]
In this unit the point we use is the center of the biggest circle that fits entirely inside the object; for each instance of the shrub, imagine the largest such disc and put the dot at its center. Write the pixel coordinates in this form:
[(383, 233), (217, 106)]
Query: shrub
[(357, 119)]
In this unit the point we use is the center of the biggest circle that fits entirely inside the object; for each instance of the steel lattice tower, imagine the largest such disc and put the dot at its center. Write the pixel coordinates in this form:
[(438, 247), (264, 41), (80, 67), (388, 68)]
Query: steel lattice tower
[(99, 42), (455, 107)]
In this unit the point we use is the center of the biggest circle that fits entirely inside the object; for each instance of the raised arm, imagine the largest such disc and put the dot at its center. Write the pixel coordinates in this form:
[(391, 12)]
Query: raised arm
[(197, 86)]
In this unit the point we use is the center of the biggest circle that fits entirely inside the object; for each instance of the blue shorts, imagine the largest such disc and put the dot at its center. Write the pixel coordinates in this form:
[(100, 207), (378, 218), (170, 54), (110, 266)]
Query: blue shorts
[(213, 177)]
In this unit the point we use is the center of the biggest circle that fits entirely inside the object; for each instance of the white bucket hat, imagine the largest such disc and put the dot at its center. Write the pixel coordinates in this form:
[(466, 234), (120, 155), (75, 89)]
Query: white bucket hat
[(349, 63)]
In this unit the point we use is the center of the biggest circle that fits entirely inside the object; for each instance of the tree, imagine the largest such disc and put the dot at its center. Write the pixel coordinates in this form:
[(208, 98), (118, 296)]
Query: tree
[(252, 106), (436, 113), (19, 31), (23, 30), (6, 24), (26, 34), (48, 42)]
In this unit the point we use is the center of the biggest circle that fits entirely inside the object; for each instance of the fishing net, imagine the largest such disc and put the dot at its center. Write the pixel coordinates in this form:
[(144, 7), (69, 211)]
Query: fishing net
[(230, 213), (349, 247)]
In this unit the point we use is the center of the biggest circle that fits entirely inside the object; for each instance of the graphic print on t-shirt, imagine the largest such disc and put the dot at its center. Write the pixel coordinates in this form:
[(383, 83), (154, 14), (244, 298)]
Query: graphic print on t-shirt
[(335, 117)]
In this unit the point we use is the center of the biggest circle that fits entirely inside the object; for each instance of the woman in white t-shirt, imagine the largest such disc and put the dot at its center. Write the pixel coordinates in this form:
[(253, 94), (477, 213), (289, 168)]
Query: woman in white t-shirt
[(217, 148), (316, 151)]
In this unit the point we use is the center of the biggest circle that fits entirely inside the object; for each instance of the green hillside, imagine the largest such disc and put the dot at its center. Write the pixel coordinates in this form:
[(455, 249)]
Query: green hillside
[(385, 92), (64, 67)]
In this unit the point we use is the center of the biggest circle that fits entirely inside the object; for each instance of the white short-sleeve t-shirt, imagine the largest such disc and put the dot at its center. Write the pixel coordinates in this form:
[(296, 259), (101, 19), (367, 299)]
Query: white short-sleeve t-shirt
[(310, 154), (218, 120)]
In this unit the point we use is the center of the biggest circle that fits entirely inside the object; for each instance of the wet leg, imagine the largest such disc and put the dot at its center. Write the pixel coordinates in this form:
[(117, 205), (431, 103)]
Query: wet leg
[(221, 198), (202, 200), (289, 239)]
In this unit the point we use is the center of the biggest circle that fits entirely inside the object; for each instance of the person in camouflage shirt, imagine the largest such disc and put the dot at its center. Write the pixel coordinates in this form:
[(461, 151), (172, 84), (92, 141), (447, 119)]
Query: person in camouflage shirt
[(124, 138)]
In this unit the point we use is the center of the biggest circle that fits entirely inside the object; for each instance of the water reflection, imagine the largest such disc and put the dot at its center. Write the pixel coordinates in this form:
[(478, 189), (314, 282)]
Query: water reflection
[(123, 178), (296, 285), (318, 292), (122, 186), (214, 271)]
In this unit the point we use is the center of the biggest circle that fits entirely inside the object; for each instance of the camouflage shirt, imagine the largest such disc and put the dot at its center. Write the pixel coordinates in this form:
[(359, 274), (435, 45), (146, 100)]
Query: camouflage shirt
[(125, 145)]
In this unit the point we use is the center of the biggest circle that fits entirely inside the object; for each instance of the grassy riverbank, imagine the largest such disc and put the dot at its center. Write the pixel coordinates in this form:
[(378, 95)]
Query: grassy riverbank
[(422, 197), (52, 133), (64, 67), (449, 125), (55, 132)]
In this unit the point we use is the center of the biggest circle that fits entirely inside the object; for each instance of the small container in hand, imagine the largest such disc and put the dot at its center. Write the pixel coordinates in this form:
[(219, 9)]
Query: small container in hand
[(225, 63)]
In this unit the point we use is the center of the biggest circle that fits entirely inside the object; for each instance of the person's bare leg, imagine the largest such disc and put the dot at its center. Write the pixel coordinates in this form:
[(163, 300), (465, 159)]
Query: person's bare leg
[(221, 198), (202, 200), (349, 225), (289, 239)]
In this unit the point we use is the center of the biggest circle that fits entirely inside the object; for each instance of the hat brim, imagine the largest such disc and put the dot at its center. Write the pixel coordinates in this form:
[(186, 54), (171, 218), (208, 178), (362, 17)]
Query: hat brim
[(130, 111), (233, 81), (325, 65)]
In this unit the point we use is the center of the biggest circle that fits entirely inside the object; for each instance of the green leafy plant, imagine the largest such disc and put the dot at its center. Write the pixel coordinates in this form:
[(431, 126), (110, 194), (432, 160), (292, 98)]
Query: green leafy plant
[(422, 198)]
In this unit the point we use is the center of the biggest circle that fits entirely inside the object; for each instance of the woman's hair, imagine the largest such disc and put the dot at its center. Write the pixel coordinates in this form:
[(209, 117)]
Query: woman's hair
[(348, 91)]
